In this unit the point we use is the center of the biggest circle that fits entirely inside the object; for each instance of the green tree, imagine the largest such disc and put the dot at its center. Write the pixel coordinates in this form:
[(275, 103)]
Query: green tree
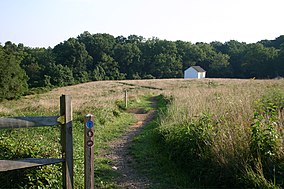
[(219, 66), (35, 62), (58, 75), (134, 39), (190, 54), (163, 60), (215, 63), (109, 69), (147, 58), (13, 80), (279, 63), (97, 46), (166, 66), (236, 51), (128, 57), (276, 43), (74, 55), (258, 61)]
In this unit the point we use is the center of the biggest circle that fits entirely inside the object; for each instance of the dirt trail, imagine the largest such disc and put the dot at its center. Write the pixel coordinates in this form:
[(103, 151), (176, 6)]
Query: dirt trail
[(120, 154)]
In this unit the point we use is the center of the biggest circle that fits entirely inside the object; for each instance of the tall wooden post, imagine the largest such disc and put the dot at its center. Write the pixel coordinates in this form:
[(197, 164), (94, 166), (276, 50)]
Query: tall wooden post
[(125, 98), (67, 142), (89, 151)]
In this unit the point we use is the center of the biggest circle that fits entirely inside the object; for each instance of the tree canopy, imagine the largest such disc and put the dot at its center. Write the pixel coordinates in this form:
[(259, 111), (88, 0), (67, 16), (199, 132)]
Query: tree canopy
[(92, 57), (13, 81)]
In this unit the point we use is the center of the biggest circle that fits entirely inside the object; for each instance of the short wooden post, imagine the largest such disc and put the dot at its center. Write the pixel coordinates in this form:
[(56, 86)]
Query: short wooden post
[(67, 142), (125, 98), (89, 151)]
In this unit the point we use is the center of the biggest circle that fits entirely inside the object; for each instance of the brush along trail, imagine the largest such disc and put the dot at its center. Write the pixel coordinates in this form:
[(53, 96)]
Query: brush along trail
[(120, 152)]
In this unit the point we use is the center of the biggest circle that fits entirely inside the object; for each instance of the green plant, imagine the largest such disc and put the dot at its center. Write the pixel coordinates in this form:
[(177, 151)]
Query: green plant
[(151, 155), (265, 137), (16, 144)]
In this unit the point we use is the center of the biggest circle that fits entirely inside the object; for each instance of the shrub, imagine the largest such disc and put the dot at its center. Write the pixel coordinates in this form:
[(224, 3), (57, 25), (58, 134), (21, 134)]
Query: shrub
[(266, 141)]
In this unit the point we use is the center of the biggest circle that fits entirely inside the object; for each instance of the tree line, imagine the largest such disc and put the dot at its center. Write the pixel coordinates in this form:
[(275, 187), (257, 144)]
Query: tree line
[(93, 57)]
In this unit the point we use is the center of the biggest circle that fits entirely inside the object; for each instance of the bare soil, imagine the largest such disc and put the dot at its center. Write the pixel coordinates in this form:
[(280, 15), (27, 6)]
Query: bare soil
[(120, 154)]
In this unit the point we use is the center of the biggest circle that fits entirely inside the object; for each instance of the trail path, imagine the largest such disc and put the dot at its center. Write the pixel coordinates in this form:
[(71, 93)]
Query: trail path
[(120, 153)]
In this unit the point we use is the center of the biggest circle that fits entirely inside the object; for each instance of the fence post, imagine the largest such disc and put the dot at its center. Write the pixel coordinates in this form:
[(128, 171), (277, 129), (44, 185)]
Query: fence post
[(125, 98), (89, 151), (67, 141)]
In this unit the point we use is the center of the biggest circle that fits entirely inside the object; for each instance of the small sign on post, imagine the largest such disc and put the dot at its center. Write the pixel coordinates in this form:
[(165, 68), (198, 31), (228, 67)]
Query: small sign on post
[(89, 151)]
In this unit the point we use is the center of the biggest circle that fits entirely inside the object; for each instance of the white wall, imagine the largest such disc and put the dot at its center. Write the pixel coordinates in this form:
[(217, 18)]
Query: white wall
[(190, 73), (201, 75)]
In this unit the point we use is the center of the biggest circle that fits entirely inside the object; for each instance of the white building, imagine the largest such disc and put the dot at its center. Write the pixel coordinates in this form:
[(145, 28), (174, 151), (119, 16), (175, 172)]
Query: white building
[(194, 72)]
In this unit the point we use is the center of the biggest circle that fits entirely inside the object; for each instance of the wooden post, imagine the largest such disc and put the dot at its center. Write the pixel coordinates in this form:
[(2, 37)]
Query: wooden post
[(67, 142), (89, 151), (125, 98)]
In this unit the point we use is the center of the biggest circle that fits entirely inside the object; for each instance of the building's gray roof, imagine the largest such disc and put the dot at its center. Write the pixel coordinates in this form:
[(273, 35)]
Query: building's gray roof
[(198, 68)]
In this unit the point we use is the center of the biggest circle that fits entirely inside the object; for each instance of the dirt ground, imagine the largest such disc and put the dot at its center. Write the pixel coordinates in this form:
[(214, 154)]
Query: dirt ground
[(120, 154)]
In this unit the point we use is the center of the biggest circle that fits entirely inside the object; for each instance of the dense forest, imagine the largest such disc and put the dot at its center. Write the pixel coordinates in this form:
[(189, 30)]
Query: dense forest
[(92, 57)]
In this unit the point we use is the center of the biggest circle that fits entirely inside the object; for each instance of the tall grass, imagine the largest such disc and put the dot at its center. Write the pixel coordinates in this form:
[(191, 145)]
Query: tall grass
[(211, 128), (208, 129)]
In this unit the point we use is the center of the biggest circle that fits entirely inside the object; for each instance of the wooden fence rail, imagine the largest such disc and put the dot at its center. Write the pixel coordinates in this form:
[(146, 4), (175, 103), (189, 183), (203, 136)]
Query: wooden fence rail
[(65, 120), (25, 122)]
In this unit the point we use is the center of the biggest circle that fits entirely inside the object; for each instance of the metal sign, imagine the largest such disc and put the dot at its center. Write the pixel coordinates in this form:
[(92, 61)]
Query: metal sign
[(89, 124)]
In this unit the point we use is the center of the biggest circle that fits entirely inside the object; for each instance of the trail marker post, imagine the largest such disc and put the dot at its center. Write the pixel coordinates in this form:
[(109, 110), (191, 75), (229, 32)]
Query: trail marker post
[(125, 98), (89, 151)]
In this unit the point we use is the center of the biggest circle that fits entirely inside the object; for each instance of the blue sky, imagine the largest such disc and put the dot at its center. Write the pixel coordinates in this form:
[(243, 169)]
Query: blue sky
[(43, 23)]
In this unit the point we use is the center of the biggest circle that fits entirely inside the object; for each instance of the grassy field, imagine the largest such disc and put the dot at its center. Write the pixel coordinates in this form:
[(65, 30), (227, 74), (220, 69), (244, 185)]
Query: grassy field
[(225, 132), (222, 133), (103, 99)]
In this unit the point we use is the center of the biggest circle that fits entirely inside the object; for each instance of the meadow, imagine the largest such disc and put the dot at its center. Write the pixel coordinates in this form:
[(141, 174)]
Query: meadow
[(221, 132), (227, 132)]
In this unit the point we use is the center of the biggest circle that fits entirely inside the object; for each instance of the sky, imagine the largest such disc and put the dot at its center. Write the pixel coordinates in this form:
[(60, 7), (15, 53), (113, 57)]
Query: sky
[(46, 23)]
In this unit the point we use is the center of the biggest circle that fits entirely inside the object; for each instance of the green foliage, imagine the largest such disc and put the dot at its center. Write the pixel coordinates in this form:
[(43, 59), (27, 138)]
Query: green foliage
[(98, 74), (73, 54), (258, 61), (215, 63), (59, 75), (108, 69), (191, 140), (16, 144), (151, 156), (128, 55), (271, 103), (35, 62), (13, 82), (265, 143), (104, 57), (264, 135), (189, 145), (44, 177), (110, 123), (255, 179)]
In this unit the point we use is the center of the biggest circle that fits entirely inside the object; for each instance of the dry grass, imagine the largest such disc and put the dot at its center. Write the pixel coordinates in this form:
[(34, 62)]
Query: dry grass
[(231, 101), (221, 96), (101, 94), (228, 99), (232, 104)]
